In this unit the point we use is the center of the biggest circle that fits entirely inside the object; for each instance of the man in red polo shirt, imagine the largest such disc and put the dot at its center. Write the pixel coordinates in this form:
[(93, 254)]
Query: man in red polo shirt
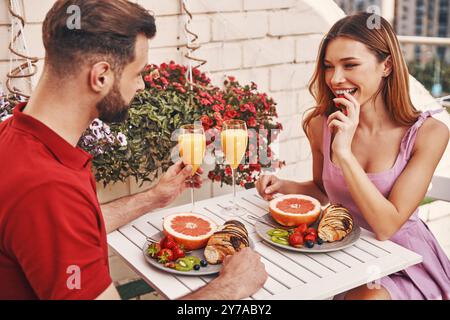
[(52, 229)]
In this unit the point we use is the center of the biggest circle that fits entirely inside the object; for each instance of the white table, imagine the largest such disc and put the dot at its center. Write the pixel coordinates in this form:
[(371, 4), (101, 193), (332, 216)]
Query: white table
[(292, 275)]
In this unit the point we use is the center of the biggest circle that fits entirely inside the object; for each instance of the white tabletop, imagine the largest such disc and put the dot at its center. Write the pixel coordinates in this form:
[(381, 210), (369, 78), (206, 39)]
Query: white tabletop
[(292, 275)]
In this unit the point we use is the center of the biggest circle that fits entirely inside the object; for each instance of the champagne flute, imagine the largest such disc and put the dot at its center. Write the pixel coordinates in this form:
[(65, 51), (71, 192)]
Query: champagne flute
[(234, 139), (192, 144)]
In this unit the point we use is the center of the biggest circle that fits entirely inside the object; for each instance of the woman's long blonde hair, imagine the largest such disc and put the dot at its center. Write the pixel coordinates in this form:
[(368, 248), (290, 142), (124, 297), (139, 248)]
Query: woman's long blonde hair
[(383, 42)]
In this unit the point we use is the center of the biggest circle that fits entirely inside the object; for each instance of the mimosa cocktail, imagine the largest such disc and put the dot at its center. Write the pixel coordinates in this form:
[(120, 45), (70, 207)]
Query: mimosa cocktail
[(192, 144), (234, 139)]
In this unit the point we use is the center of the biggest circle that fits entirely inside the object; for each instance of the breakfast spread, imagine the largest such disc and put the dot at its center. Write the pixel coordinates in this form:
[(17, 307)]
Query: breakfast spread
[(186, 233)]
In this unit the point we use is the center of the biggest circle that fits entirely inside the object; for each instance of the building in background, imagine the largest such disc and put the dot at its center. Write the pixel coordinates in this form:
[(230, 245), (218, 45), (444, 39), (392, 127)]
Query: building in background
[(425, 18), (353, 6)]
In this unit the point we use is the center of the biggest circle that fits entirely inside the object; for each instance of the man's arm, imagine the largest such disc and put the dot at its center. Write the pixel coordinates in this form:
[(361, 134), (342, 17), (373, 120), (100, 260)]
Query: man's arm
[(242, 275), (121, 211), (109, 294)]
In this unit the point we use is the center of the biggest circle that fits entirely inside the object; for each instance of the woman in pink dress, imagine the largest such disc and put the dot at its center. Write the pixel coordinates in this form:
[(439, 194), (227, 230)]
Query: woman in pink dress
[(373, 152)]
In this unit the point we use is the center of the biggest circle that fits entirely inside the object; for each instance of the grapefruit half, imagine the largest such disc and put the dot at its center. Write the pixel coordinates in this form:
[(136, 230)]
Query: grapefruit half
[(189, 229), (292, 210)]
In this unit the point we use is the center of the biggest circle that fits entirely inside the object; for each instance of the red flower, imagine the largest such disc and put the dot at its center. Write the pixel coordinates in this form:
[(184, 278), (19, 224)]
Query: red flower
[(245, 107), (164, 81), (205, 102), (228, 171), (211, 175), (249, 179), (252, 122), (231, 114), (218, 117), (218, 178), (148, 78), (242, 184), (206, 121), (217, 107), (172, 65), (252, 108)]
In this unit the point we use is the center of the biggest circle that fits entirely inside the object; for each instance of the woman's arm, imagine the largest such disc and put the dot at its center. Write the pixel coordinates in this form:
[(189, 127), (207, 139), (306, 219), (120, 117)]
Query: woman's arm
[(267, 186), (386, 216)]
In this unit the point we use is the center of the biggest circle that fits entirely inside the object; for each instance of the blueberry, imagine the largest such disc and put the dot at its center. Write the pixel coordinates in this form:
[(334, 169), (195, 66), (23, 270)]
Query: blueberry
[(204, 263), (309, 244), (319, 241), (197, 267)]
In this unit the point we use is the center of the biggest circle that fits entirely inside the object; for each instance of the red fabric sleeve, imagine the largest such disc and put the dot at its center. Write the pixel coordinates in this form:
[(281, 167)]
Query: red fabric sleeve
[(55, 236)]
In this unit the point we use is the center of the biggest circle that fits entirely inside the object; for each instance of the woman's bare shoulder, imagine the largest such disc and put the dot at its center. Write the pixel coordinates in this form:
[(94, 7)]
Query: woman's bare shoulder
[(433, 131)]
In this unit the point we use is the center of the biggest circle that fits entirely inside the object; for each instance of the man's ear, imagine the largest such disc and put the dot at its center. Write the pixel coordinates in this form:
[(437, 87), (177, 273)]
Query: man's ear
[(101, 77), (387, 66)]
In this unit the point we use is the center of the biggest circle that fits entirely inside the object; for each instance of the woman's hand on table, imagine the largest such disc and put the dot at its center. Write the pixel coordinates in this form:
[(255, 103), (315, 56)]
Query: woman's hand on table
[(268, 185)]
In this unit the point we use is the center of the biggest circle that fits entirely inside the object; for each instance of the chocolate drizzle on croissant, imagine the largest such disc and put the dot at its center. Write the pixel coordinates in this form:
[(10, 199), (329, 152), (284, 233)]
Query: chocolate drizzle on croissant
[(336, 223), (229, 239)]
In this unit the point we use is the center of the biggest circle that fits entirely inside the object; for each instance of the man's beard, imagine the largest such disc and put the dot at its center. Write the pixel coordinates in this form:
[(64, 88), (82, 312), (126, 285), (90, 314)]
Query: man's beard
[(113, 108)]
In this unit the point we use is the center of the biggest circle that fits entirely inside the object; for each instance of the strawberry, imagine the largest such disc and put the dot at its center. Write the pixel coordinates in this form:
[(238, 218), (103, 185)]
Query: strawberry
[(301, 229), (310, 237), (312, 231), (167, 240), (165, 255), (178, 253), (296, 240), (153, 250)]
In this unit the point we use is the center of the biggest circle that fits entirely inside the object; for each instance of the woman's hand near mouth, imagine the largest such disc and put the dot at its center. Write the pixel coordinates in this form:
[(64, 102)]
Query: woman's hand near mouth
[(344, 126)]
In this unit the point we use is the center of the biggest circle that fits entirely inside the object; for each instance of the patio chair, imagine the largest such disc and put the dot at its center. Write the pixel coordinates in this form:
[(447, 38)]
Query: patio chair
[(439, 190)]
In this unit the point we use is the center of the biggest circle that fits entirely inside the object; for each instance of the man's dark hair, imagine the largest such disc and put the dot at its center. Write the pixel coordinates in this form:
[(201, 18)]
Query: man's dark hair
[(108, 31)]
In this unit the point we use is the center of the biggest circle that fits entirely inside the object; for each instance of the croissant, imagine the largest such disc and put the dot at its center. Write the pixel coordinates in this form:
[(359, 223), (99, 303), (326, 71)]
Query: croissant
[(336, 223), (229, 239)]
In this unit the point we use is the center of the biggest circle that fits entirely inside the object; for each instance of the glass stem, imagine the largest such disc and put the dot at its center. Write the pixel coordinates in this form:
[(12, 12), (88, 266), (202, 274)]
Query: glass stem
[(192, 195), (233, 173)]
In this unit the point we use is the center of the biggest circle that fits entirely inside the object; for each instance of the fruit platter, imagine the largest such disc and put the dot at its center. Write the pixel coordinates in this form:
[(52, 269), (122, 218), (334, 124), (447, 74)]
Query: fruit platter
[(297, 223), (193, 244)]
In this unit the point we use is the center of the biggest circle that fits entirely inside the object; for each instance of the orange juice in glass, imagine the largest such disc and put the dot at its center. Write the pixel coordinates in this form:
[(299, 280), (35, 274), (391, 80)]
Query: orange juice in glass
[(192, 144), (234, 145), (234, 138)]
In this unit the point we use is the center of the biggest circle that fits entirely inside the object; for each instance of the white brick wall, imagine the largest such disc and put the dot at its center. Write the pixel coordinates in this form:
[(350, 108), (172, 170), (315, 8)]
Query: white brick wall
[(268, 4), (162, 8), (268, 51), (241, 25), (290, 76), (36, 13), (307, 48), (214, 6)]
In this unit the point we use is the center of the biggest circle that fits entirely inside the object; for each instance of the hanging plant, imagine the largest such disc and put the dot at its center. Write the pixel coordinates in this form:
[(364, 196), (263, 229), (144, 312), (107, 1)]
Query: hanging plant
[(170, 101), (145, 142)]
